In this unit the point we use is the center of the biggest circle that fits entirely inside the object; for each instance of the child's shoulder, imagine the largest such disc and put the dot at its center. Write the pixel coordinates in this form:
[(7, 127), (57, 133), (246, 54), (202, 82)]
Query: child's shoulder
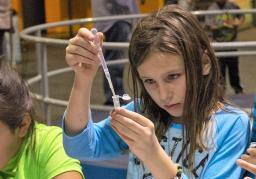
[(230, 116), (232, 126), (229, 110), (46, 133), (47, 130), (48, 139)]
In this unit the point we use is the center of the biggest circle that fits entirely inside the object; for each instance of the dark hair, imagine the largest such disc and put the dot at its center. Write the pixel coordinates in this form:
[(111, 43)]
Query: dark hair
[(15, 99), (176, 31)]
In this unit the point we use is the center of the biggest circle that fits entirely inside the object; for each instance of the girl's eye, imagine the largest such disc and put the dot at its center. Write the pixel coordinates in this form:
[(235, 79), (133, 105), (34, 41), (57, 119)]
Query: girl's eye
[(173, 76), (148, 81)]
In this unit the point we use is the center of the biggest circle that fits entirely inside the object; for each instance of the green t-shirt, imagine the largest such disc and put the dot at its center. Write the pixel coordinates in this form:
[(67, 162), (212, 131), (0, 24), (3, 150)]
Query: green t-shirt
[(48, 160)]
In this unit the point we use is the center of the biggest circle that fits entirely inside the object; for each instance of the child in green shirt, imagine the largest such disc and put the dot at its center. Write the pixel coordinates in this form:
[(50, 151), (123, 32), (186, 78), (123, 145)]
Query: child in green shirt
[(28, 149)]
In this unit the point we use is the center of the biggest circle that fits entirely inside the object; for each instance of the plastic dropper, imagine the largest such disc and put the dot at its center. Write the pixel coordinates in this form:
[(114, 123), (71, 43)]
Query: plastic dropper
[(105, 68)]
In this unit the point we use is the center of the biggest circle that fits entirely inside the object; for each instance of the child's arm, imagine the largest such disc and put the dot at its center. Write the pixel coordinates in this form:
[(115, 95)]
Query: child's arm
[(82, 57), (248, 162), (139, 134)]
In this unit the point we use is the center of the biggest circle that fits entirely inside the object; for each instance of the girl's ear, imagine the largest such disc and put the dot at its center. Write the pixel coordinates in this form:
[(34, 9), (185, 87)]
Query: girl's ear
[(206, 63), (23, 129)]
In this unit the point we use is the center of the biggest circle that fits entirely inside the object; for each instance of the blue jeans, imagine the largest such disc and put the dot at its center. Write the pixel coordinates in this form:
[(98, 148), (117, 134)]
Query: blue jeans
[(119, 32)]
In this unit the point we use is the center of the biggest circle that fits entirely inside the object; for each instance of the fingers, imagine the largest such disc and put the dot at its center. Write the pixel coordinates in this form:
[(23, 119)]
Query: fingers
[(132, 125), (82, 43), (88, 36), (81, 50), (135, 117), (123, 136), (248, 159), (85, 34), (127, 126), (251, 156), (74, 60), (101, 37), (246, 165), (252, 152)]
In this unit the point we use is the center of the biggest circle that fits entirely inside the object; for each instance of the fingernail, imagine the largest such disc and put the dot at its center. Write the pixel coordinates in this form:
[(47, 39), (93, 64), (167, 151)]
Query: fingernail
[(112, 111)]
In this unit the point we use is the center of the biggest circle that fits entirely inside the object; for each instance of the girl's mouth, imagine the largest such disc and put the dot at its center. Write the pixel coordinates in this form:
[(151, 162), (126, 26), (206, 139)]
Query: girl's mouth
[(170, 106)]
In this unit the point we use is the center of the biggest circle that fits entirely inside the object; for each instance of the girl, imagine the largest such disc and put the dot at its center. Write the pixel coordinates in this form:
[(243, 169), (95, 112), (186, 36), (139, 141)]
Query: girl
[(179, 125), (28, 149)]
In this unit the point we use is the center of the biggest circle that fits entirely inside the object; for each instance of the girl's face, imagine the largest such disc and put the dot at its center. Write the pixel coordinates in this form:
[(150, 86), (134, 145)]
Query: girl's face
[(10, 143), (163, 76)]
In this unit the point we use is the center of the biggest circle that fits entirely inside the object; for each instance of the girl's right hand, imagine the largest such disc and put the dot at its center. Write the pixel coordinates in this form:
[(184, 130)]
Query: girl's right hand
[(137, 131), (82, 55)]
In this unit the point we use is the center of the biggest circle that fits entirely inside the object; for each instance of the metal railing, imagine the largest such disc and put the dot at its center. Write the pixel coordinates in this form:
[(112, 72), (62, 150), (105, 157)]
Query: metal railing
[(34, 34)]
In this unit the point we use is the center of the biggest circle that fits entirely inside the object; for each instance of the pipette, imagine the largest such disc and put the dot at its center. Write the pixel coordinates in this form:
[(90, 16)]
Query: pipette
[(105, 68)]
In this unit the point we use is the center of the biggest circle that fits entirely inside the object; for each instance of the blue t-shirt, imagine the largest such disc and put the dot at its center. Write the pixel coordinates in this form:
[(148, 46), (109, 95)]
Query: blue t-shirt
[(227, 139)]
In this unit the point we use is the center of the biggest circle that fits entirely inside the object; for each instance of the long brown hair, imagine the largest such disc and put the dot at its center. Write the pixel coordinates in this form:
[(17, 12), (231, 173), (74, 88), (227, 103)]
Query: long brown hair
[(15, 100), (176, 31)]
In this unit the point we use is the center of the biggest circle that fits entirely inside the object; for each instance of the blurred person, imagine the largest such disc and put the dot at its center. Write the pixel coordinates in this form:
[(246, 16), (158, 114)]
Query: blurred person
[(187, 4), (5, 21), (224, 28), (114, 31), (28, 150)]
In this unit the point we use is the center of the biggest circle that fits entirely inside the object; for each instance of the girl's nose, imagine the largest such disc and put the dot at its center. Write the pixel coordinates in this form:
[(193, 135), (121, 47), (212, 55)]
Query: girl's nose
[(164, 92)]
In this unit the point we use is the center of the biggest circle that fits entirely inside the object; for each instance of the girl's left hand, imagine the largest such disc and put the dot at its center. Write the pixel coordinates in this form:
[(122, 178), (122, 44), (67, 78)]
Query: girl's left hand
[(248, 162), (137, 131)]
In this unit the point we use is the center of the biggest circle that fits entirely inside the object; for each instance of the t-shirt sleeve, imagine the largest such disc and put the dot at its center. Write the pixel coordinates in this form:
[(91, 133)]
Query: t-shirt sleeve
[(98, 141), (233, 134), (52, 157)]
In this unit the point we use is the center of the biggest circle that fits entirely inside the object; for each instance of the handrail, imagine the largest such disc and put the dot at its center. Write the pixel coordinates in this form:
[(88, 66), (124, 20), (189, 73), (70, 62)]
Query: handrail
[(26, 33), (33, 34)]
